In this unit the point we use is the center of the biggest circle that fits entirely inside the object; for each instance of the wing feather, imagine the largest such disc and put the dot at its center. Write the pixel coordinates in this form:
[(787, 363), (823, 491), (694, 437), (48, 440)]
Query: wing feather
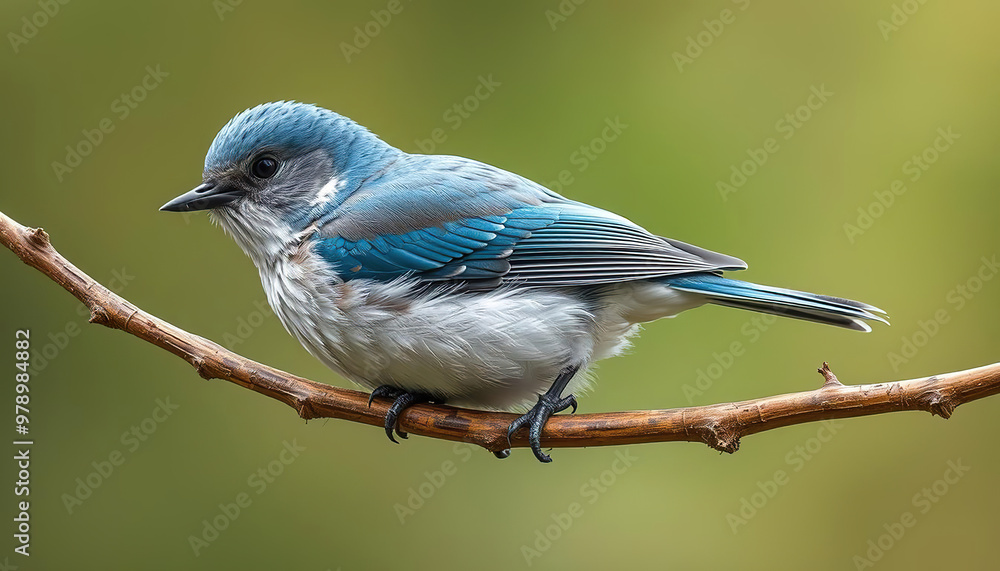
[(478, 224), (551, 245)]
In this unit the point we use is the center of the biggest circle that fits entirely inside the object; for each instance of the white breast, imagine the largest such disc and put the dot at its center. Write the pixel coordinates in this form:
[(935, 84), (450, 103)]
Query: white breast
[(492, 350)]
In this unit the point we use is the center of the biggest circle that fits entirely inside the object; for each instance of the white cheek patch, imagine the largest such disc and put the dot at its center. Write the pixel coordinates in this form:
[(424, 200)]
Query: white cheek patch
[(328, 191)]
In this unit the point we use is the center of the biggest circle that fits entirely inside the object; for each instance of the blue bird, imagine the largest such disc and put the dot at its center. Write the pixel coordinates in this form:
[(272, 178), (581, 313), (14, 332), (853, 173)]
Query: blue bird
[(431, 278)]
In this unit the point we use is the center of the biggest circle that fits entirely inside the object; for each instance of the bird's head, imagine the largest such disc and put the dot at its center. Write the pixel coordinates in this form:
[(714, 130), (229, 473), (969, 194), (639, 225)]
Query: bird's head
[(287, 161)]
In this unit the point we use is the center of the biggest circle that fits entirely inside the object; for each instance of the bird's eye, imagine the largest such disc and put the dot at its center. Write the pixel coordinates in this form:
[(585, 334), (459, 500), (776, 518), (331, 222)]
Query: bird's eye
[(264, 167)]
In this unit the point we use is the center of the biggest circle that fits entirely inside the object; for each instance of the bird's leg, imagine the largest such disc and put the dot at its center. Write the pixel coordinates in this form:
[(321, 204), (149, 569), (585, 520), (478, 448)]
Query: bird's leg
[(548, 404), (402, 400)]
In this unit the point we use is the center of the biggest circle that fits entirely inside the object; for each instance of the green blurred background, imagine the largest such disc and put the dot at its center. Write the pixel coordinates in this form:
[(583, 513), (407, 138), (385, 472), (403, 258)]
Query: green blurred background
[(341, 500)]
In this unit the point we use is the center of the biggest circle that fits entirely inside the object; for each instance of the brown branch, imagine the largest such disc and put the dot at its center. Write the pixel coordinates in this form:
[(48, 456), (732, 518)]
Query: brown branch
[(720, 426)]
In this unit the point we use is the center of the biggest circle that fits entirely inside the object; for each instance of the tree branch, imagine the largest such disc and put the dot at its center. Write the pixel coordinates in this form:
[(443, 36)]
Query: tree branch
[(720, 426)]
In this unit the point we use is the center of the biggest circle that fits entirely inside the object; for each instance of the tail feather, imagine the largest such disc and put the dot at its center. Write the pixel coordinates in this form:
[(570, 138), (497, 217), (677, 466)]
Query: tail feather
[(780, 301)]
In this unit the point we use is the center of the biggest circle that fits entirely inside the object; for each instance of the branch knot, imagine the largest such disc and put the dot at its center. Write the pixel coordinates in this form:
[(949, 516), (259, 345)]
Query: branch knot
[(938, 403), (719, 437), (100, 316), (38, 237)]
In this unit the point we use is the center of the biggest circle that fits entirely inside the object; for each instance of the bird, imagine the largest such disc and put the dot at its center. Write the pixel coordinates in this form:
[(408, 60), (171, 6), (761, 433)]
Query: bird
[(442, 279)]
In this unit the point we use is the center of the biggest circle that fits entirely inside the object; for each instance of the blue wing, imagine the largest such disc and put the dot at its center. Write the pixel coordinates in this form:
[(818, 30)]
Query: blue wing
[(481, 226)]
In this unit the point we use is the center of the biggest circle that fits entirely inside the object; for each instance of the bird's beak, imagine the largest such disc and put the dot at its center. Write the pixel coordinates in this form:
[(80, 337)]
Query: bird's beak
[(203, 197)]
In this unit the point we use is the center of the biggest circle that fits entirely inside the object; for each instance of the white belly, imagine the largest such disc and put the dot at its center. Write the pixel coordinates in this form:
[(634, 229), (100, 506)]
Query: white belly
[(496, 350)]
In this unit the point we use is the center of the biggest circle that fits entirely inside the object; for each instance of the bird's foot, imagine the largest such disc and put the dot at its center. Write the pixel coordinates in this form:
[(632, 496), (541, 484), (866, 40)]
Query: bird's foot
[(402, 400), (535, 418)]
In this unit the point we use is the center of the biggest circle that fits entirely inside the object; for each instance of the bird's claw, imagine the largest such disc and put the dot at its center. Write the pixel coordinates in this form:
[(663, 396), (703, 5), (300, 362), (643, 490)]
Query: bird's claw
[(536, 418), (384, 391), (401, 401)]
